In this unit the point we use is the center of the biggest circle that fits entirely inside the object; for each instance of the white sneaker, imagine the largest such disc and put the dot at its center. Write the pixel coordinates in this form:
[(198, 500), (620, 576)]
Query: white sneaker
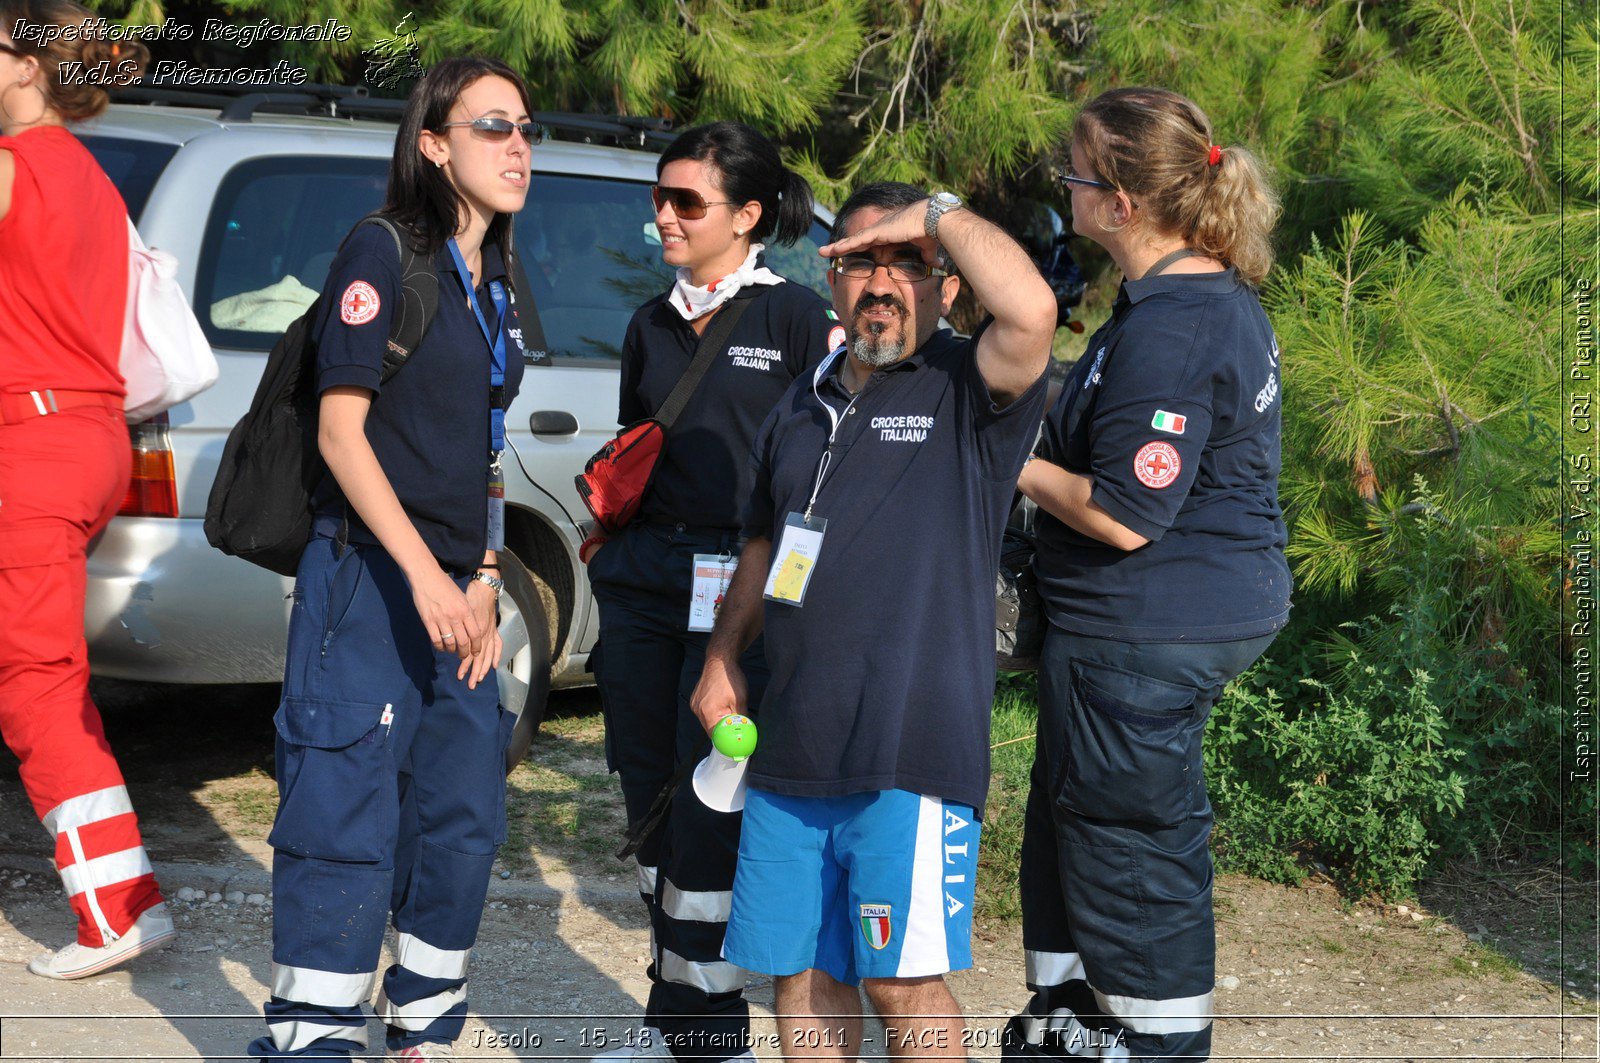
[(151, 931), (426, 1050), (647, 1044)]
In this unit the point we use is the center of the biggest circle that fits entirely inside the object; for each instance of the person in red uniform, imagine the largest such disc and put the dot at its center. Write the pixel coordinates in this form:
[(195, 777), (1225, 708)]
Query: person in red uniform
[(64, 468)]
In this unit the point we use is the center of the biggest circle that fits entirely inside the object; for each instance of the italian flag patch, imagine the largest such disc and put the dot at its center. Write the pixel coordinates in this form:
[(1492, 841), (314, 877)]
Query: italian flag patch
[(1168, 422), (875, 924), (831, 315)]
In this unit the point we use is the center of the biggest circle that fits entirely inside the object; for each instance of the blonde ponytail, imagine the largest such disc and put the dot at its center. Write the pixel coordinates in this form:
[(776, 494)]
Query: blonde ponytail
[(1157, 146)]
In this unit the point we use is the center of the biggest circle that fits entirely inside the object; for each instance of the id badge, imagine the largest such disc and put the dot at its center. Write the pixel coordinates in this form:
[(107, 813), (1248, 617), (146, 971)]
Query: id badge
[(711, 575), (497, 509), (795, 559)]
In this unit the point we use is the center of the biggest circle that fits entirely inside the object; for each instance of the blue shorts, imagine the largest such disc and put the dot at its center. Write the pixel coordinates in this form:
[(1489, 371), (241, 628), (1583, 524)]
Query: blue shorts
[(873, 885)]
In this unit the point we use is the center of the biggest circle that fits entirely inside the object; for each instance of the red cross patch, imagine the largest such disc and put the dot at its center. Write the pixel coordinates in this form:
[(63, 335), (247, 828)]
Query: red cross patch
[(358, 304), (1157, 464)]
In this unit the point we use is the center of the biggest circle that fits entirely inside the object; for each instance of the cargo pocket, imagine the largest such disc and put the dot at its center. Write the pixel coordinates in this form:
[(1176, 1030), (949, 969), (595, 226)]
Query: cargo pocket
[(33, 544), (337, 797), (1132, 747)]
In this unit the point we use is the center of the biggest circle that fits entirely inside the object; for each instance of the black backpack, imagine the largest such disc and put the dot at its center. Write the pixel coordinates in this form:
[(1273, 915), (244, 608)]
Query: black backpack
[(260, 503)]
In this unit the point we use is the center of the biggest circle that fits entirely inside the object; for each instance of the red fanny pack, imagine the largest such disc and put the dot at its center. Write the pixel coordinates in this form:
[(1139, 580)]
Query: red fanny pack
[(614, 482)]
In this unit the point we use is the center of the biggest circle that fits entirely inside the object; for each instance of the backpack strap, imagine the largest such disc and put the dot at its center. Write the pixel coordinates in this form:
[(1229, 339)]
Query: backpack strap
[(419, 303), (713, 341)]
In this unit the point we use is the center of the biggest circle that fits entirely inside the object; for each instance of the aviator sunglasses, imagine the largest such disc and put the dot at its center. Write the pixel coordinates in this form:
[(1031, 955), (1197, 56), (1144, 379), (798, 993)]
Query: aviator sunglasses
[(499, 130), (686, 202)]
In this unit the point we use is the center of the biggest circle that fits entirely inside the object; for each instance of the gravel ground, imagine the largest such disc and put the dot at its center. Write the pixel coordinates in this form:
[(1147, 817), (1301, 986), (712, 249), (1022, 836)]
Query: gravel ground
[(558, 974), (1487, 972)]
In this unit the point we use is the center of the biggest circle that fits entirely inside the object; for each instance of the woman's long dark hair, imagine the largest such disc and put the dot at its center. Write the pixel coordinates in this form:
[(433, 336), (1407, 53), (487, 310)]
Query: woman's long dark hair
[(420, 196), (750, 169)]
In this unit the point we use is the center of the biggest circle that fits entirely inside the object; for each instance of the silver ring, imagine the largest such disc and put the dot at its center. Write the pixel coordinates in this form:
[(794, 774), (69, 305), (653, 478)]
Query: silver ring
[(447, 635)]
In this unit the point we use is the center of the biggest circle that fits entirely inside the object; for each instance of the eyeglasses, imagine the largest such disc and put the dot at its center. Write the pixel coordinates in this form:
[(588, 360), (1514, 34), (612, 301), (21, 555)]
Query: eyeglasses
[(1062, 177), (499, 130), (686, 202), (11, 51), (910, 270)]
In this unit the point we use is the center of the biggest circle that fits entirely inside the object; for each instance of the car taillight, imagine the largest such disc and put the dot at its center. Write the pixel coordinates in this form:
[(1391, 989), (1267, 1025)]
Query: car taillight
[(153, 491)]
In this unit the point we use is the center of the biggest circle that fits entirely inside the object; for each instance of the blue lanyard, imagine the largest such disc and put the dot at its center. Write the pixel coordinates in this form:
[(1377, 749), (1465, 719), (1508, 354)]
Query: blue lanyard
[(497, 347)]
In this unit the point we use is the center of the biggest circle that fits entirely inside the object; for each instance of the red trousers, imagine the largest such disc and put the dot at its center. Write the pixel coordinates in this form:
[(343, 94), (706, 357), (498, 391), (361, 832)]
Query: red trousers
[(62, 478)]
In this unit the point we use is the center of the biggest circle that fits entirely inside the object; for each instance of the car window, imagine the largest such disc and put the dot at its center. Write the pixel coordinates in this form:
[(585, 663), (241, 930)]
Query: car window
[(274, 228), (589, 247), (132, 165), (592, 255)]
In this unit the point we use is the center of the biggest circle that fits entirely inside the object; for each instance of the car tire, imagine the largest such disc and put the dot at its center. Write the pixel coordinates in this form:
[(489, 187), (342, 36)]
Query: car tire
[(524, 670)]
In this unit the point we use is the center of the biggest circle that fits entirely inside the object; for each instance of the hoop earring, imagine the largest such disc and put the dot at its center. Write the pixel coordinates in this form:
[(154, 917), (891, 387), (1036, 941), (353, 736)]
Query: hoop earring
[(1099, 219), (44, 105)]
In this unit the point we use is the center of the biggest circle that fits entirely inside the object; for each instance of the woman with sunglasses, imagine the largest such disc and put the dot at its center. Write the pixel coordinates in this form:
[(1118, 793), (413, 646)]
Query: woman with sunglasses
[(64, 466), (1160, 561), (722, 190), (391, 740)]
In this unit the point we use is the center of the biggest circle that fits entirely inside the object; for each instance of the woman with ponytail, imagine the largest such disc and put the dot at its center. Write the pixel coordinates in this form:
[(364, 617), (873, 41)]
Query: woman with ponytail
[(721, 192), (1160, 560), (64, 467)]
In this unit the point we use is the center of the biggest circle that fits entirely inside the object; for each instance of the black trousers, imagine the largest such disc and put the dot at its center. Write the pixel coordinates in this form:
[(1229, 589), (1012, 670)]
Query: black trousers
[(1116, 873), (646, 667)]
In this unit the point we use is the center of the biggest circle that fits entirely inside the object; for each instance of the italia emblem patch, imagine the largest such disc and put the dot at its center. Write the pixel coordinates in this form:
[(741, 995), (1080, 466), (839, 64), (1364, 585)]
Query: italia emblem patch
[(1157, 464), (875, 924), (1168, 422), (358, 304), (836, 338)]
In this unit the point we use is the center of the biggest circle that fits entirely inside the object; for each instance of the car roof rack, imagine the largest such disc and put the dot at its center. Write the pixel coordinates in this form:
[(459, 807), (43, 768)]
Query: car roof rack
[(238, 103)]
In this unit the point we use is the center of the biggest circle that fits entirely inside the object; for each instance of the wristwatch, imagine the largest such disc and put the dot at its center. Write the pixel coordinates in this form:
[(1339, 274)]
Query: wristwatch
[(939, 204), (494, 583)]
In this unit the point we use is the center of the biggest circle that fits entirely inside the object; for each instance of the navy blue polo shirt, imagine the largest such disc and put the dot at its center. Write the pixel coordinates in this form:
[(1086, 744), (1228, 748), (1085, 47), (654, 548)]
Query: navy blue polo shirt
[(883, 679), (1174, 409), (705, 475), (429, 426)]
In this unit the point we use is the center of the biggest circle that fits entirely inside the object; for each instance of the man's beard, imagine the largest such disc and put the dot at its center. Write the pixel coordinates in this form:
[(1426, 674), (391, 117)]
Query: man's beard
[(870, 347)]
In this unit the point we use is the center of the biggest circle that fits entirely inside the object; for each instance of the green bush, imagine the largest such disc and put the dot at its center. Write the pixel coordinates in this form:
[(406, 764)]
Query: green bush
[(1358, 777), (1376, 746)]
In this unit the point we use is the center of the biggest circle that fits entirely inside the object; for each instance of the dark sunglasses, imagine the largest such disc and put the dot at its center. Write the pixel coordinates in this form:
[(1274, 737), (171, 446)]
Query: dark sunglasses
[(686, 202), (1062, 177), (499, 130)]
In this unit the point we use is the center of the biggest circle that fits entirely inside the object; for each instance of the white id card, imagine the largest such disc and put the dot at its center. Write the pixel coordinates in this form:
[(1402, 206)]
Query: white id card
[(497, 508), (795, 559), (711, 575)]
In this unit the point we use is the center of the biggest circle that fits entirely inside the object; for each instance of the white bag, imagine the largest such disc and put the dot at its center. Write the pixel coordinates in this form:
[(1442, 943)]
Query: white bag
[(166, 359)]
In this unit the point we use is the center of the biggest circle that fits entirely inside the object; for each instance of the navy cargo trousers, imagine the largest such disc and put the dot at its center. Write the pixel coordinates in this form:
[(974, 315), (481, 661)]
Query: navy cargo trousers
[(1116, 874), (647, 667), (391, 799)]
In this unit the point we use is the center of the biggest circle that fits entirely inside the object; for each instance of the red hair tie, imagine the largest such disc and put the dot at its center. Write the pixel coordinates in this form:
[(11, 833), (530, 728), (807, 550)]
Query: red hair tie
[(1214, 156)]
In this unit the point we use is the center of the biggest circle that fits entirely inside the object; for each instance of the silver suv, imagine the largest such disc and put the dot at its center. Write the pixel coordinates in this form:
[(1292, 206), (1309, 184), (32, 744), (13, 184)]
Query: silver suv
[(253, 204)]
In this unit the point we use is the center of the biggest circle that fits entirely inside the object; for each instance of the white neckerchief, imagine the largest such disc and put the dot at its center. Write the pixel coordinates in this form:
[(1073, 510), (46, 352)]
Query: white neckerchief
[(694, 302)]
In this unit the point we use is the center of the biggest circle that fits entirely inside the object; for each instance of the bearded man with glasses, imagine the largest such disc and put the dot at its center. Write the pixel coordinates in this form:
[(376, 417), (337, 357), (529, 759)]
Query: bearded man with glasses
[(882, 484)]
